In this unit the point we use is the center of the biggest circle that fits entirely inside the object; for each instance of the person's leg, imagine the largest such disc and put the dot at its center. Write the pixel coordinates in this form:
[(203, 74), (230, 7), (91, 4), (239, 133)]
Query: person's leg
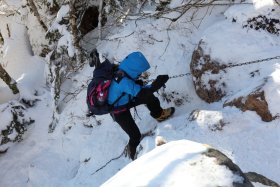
[(125, 120), (146, 96)]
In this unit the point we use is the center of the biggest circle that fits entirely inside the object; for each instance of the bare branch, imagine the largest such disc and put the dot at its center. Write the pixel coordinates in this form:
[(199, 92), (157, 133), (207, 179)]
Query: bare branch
[(6, 9), (1, 39), (36, 14), (8, 29), (182, 9)]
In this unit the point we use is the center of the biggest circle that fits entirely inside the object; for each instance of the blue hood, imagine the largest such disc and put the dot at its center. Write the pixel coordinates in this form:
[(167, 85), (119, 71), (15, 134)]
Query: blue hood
[(134, 64)]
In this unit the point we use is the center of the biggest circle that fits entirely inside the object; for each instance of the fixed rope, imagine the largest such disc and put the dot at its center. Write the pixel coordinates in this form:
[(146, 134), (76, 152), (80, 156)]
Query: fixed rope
[(250, 62), (225, 66), (170, 77)]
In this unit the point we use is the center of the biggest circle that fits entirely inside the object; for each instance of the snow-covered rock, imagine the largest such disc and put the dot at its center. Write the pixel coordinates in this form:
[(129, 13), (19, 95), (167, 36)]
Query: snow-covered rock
[(14, 121), (181, 163), (203, 67), (221, 68), (253, 100)]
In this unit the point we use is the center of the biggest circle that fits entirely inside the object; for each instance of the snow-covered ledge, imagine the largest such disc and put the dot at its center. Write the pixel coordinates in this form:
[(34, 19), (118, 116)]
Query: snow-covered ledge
[(180, 163)]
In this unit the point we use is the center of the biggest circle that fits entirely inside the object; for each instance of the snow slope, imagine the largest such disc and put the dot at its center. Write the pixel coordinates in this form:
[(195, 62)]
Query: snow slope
[(83, 152)]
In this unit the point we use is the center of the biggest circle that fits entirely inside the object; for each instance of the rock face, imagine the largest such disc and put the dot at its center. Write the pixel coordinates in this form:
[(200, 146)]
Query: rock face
[(222, 159), (255, 177), (209, 90)]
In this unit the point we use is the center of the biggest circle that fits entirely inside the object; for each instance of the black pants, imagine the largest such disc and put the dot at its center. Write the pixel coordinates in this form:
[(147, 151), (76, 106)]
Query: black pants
[(125, 119)]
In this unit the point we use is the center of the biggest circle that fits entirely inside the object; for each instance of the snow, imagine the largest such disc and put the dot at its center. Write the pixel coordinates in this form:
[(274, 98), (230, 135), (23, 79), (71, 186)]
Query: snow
[(66, 39), (63, 12), (19, 61), (6, 117), (82, 152), (178, 163)]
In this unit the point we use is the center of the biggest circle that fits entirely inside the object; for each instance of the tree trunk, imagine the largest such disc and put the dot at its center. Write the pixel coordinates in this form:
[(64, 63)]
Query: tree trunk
[(74, 31), (56, 78), (8, 80), (100, 20), (1, 39), (36, 14)]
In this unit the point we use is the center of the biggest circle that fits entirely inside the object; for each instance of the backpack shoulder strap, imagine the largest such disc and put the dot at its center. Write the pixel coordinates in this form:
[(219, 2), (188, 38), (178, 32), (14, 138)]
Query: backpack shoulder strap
[(119, 75)]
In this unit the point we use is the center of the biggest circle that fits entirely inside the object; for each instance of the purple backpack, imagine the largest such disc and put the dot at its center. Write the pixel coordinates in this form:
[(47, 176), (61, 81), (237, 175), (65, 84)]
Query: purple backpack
[(98, 89)]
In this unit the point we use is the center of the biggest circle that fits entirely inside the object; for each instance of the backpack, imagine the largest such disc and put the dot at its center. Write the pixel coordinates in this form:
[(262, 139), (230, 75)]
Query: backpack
[(98, 89)]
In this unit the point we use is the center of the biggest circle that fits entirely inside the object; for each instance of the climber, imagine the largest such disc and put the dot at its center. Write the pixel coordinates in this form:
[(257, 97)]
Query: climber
[(134, 93)]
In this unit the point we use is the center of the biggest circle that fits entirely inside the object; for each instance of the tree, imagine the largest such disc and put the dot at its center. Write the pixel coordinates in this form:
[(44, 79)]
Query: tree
[(74, 31), (36, 14), (8, 80)]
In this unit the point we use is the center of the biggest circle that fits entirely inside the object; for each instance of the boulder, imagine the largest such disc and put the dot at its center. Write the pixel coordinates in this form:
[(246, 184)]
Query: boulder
[(14, 122), (209, 89), (256, 177), (181, 163), (255, 101)]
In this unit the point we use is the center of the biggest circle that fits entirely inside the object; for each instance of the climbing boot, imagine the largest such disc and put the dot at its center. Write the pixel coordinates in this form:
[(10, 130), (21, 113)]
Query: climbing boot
[(165, 114)]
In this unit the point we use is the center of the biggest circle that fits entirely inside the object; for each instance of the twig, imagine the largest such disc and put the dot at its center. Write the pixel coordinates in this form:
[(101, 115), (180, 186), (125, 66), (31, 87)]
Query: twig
[(203, 16), (141, 6), (9, 32), (181, 9), (120, 37), (102, 167), (36, 14), (167, 30)]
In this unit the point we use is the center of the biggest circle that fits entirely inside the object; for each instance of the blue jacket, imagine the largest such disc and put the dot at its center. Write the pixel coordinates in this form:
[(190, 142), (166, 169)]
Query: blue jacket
[(133, 65)]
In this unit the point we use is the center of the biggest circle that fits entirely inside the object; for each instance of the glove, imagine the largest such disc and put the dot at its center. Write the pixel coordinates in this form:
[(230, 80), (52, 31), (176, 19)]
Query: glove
[(140, 82), (94, 61), (159, 82)]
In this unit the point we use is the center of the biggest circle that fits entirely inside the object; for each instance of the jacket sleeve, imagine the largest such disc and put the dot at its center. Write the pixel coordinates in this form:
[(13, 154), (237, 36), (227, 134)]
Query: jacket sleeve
[(130, 87)]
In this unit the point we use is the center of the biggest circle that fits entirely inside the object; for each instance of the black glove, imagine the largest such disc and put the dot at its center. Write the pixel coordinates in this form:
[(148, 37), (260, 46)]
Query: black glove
[(94, 61), (159, 82), (140, 82)]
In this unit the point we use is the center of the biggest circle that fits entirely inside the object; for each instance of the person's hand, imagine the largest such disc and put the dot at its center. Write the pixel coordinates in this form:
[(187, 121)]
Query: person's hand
[(94, 61), (140, 82), (159, 82)]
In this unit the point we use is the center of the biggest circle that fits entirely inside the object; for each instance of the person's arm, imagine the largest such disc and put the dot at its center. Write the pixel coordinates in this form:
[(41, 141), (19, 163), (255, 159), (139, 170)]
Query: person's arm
[(159, 82)]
